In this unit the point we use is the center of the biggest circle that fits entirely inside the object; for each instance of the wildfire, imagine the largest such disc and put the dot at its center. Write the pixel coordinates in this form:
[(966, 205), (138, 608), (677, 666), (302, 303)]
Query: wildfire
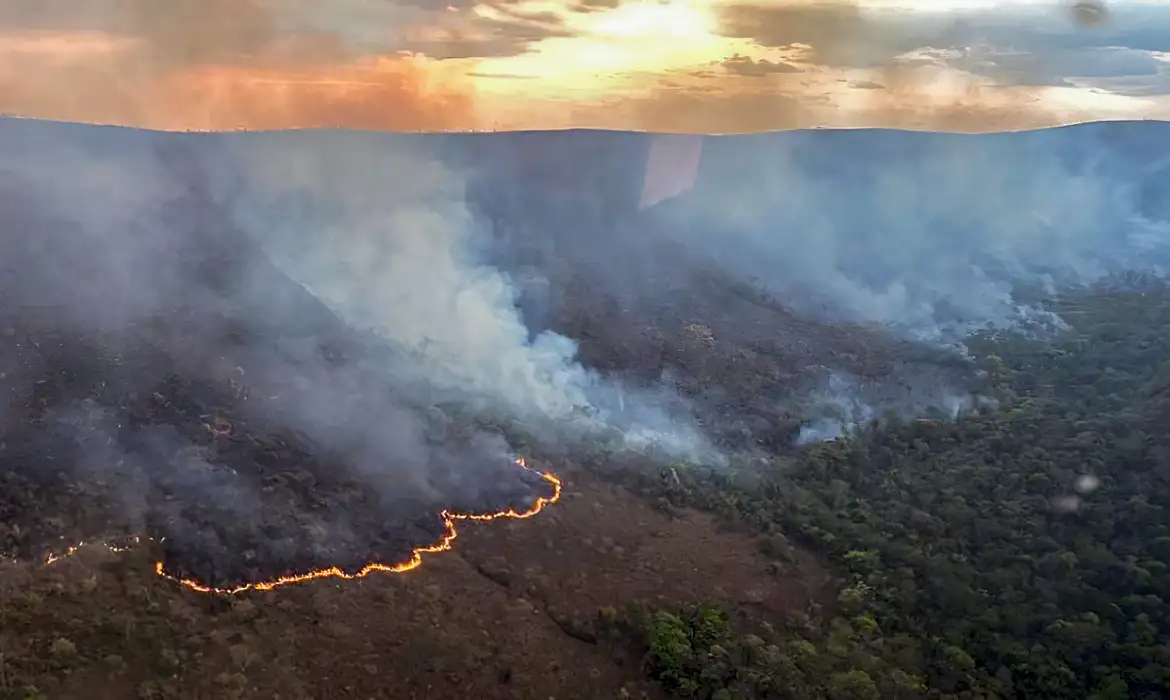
[(415, 560), (74, 548)]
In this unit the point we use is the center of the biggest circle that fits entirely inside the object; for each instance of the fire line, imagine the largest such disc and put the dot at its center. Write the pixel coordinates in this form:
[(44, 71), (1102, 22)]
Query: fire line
[(416, 558)]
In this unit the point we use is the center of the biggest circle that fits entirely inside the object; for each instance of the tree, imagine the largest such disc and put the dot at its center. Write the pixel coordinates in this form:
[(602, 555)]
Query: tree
[(852, 685)]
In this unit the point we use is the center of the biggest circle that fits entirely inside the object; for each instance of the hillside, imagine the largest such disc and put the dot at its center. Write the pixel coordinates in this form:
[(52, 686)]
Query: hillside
[(244, 356)]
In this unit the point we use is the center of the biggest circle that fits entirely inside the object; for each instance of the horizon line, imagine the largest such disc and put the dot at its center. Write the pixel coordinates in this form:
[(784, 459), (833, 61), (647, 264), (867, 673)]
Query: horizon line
[(242, 130)]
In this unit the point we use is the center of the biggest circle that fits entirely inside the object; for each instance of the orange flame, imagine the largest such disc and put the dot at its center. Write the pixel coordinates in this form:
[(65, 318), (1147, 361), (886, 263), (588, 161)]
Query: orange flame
[(72, 549), (415, 560)]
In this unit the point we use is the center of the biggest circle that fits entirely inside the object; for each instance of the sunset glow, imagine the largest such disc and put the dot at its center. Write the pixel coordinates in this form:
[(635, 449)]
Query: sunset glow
[(701, 65)]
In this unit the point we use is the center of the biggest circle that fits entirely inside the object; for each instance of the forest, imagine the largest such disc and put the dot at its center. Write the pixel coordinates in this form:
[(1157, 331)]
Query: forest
[(1020, 551)]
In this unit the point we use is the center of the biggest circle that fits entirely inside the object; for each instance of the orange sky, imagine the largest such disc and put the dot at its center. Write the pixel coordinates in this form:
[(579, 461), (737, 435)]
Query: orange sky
[(680, 65)]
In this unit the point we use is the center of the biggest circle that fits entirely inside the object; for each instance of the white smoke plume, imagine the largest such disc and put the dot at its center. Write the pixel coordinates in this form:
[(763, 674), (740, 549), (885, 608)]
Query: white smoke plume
[(933, 235), (158, 246), (842, 404), (381, 231), (930, 236)]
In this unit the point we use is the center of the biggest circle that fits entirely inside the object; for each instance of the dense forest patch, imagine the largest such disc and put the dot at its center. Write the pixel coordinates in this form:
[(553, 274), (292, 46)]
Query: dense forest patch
[(1021, 552)]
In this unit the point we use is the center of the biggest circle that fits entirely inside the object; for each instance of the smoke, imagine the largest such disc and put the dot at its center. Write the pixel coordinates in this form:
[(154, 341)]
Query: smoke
[(381, 231), (87, 252), (373, 225), (836, 409), (302, 426), (843, 403), (929, 237), (933, 236)]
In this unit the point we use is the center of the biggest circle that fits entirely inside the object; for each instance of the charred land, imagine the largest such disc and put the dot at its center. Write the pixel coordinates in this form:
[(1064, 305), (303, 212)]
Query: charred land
[(168, 427), (876, 431)]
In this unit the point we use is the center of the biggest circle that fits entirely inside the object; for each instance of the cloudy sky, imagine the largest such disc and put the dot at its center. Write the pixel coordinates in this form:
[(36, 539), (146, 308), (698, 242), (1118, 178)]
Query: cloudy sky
[(676, 65)]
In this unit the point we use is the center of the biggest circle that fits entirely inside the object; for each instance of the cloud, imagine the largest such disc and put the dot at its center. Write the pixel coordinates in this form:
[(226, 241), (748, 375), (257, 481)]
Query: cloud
[(106, 84), (903, 99), (1045, 51), (1014, 46), (187, 32), (422, 64), (493, 31), (867, 67), (747, 66), (182, 32), (212, 64), (595, 5), (834, 30), (930, 97), (1101, 67)]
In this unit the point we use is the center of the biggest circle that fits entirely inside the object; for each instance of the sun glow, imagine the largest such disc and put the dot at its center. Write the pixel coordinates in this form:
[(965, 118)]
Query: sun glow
[(635, 37), (679, 19)]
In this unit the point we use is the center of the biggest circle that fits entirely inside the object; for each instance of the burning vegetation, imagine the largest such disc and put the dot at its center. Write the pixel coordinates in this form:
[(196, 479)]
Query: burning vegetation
[(416, 557), (249, 450)]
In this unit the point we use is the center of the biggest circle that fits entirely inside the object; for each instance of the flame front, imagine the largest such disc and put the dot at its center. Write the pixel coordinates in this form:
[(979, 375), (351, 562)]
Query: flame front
[(415, 560)]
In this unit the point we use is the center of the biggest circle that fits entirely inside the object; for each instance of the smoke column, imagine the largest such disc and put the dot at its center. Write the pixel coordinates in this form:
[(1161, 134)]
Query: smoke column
[(380, 230)]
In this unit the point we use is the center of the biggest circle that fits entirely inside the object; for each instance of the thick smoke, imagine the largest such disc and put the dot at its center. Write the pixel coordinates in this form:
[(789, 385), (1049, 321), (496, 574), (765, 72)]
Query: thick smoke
[(928, 237), (934, 237), (153, 352), (150, 255), (381, 231), (136, 313)]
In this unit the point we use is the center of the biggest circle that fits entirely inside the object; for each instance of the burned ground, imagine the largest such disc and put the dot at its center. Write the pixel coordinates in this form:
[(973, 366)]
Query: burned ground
[(96, 450), (510, 613)]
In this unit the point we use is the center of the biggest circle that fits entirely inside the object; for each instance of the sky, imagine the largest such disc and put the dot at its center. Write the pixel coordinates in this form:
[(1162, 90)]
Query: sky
[(696, 66)]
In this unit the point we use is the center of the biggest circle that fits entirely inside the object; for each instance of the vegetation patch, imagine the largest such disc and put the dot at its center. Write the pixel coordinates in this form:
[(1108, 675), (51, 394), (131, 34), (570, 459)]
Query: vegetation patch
[(1018, 553)]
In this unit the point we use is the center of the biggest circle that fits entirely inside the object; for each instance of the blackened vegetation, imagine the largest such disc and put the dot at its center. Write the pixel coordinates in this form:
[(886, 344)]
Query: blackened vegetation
[(212, 419)]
